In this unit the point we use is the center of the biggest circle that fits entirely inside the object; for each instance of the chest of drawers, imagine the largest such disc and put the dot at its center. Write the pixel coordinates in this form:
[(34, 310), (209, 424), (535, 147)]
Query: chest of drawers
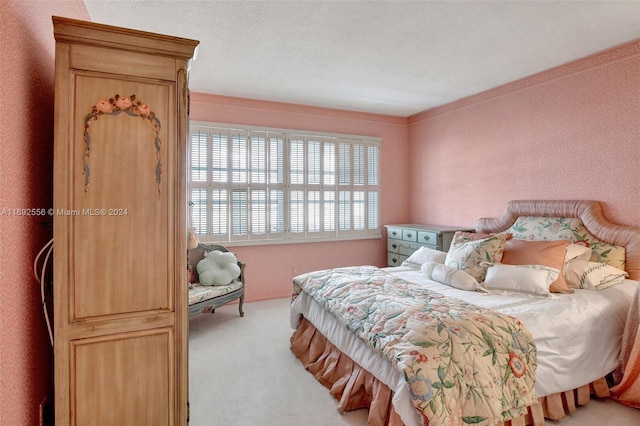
[(404, 239)]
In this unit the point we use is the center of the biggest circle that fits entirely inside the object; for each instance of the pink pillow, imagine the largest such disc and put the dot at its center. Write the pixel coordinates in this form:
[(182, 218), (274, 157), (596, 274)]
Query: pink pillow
[(546, 253)]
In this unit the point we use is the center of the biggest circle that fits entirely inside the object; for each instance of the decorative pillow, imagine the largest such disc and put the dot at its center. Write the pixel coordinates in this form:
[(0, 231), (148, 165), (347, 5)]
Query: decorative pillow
[(473, 256), (592, 275), (545, 253), (218, 268), (450, 276), (464, 236), (572, 229), (426, 254), (577, 251), (529, 279)]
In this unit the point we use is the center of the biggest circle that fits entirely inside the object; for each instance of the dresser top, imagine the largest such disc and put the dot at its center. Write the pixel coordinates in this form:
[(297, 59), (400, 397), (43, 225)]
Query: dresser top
[(427, 227)]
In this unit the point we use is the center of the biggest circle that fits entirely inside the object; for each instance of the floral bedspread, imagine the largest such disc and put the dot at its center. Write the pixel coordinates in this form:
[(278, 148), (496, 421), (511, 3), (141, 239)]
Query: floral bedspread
[(463, 364)]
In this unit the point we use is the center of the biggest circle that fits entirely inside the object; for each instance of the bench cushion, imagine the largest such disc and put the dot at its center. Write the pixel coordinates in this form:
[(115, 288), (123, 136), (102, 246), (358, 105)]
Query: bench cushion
[(198, 293)]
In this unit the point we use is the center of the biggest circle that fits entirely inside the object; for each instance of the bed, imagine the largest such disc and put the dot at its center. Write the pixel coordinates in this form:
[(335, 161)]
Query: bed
[(557, 350)]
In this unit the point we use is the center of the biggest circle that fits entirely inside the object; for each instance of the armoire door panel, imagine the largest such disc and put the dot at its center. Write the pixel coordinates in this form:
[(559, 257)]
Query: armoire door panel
[(120, 181), (123, 379)]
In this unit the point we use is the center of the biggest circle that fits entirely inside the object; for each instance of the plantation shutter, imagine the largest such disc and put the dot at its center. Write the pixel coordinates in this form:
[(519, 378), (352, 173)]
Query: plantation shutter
[(271, 185)]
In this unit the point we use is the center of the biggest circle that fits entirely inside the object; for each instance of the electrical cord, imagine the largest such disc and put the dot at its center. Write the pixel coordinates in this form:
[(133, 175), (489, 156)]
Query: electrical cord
[(41, 279)]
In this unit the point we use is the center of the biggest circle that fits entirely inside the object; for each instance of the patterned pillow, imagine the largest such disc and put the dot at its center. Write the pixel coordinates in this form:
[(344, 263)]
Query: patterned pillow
[(561, 228), (475, 256), (592, 275), (464, 236)]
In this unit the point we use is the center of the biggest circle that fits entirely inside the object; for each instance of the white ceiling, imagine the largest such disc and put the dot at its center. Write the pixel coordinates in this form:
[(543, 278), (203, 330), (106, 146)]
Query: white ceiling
[(389, 57)]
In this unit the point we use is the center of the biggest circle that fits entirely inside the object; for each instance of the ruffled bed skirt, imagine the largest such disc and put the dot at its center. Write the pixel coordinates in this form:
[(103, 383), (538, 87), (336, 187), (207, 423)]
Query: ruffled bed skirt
[(627, 376), (350, 384), (354, 387)]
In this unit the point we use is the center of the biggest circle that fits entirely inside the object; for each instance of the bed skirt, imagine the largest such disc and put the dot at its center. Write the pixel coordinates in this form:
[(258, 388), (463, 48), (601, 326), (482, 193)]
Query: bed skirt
[(355, 388)]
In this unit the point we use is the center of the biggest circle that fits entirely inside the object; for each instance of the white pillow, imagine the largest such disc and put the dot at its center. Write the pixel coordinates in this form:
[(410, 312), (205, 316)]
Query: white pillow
[(450, 276), (592, 275), (426, 254), (528, 279), (577, 251), (218, 268)]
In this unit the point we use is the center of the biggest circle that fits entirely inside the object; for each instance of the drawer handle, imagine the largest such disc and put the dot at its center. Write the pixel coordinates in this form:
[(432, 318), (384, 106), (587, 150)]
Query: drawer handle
[(409, 235), (394, 233), (394, 260), (426, 238), (394, 246)]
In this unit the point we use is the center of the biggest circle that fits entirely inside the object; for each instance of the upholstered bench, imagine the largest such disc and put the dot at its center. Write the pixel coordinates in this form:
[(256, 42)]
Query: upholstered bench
[(203, 298)]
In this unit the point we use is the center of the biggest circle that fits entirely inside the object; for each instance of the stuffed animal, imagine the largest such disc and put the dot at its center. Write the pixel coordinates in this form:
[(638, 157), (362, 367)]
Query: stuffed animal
[(192, 239), (218, 268)]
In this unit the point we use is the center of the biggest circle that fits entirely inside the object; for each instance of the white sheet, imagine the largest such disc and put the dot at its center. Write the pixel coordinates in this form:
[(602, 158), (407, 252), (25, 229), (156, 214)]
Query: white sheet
[(577, 336)]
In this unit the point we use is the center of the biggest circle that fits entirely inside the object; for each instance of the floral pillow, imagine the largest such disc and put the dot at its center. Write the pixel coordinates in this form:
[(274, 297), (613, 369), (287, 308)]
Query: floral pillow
[(572, 229), (464, 236), (475, 256)]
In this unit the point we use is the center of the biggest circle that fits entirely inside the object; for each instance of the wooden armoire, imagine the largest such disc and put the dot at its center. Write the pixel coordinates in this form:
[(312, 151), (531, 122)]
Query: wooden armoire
[(120, 232)]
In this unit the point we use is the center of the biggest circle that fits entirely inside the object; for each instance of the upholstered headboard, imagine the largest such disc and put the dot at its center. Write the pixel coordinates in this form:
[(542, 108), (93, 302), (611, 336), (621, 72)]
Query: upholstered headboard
[(589, 213)]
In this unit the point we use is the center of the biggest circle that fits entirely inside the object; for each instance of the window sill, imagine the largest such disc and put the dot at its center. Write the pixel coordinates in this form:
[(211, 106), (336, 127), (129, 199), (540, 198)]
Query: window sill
[(266, 242)]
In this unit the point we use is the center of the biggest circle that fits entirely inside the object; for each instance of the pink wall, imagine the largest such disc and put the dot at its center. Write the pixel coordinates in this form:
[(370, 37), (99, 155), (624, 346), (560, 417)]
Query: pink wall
[(572, 132), (270, 269), (26, 182)]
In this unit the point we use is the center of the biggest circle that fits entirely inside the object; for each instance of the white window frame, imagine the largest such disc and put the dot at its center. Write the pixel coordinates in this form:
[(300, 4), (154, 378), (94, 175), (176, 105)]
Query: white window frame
[(319, 152)]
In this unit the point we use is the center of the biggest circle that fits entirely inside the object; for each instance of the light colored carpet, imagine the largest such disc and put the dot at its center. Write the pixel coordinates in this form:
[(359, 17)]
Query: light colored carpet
[(242, 373)]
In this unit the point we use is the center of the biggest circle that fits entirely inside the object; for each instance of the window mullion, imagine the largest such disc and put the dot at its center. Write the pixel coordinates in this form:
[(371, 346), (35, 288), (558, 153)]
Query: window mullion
[(287, 179)]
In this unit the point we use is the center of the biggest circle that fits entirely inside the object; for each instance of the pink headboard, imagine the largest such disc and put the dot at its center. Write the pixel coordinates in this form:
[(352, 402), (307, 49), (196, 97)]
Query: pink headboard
[(589, 212)]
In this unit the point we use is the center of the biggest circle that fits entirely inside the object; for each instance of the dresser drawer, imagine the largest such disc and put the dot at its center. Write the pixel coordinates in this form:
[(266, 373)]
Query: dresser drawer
[(405, 248), (394, 233), (395, 259), (410, 235), (430, 238)]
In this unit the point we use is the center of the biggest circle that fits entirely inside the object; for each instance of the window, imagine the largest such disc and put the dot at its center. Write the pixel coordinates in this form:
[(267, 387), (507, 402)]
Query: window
[(270, 185)]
